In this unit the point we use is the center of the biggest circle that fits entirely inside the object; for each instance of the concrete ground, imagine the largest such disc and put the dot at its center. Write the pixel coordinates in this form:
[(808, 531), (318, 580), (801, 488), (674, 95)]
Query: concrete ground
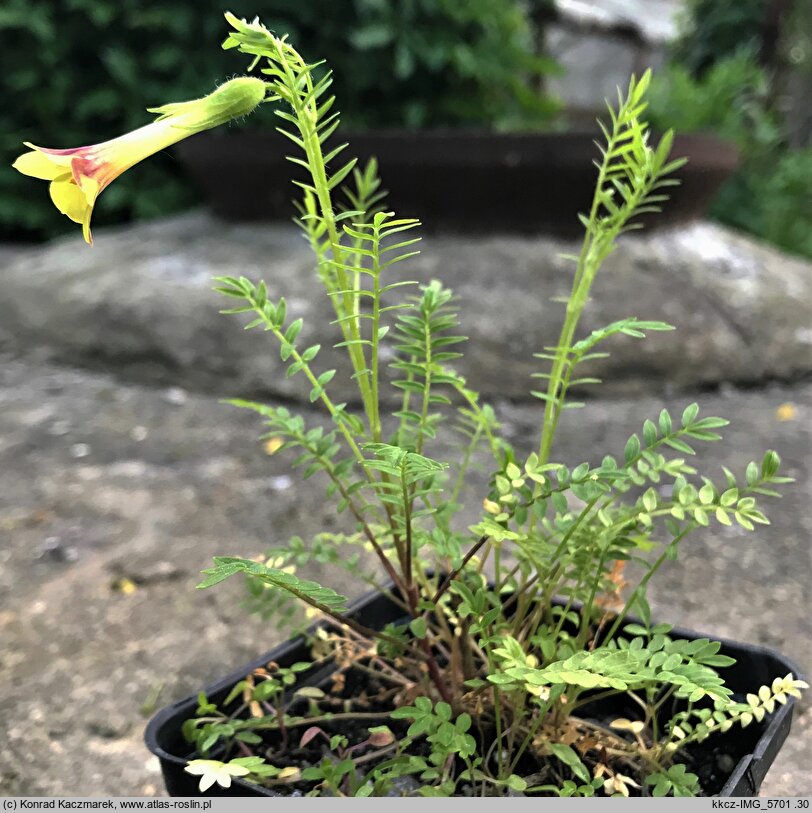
[(113, 497)]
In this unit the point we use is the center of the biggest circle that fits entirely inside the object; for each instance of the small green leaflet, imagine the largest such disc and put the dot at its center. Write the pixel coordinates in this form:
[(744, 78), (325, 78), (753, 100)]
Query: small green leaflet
[(311, 592), (629, 327)]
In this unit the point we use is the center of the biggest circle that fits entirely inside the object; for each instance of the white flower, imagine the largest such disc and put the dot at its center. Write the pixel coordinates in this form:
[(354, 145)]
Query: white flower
[(619, 784), (211, 771)]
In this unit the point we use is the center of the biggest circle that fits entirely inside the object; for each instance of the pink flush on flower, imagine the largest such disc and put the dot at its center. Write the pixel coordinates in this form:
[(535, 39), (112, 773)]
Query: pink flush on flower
[(78, 176)]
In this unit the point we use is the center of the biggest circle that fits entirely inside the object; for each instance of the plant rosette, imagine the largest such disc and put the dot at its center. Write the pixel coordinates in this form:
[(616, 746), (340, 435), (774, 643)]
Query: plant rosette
[(476, 680)]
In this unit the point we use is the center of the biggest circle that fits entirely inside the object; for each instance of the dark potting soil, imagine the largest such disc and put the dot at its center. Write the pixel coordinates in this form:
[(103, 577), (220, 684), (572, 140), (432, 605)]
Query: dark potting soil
[(359, 692)]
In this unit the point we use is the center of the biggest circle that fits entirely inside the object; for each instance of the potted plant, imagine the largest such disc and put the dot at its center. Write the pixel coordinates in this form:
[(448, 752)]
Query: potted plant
[(496, 659)]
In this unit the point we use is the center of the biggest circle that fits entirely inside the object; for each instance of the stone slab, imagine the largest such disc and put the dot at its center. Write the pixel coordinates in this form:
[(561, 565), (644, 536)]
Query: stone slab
[(139, 303)]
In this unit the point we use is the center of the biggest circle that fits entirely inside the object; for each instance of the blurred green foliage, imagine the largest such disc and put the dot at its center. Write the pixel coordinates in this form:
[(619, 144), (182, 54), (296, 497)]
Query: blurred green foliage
[(425, 63), (734, 96), (797, 45), (785, 190), (717, 29), (731, 99), (81, 71)]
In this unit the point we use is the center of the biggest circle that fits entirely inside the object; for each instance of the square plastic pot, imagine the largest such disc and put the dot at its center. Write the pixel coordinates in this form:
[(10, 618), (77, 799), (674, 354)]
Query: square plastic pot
[(754, 667)]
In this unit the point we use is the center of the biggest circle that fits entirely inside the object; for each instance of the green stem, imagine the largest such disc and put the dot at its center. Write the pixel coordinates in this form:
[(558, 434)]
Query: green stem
[(407, 518), (472, 399), (644, 582), (529, 738), (451, 576), (325, 399), (466, 462), (424, 412), (379, 551), (306, 118), (598, 241), (375, 416), (586, 610), (553, 573), (575, 305), (400, 440)]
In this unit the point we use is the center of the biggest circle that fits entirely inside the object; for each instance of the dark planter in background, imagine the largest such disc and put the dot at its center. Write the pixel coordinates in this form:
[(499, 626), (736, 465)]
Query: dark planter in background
[(470, 181), (754, 748)]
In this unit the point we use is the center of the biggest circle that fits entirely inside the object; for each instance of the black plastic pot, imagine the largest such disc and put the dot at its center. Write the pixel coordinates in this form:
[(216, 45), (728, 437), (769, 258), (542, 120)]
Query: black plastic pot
[(758, 744), (453, 180)]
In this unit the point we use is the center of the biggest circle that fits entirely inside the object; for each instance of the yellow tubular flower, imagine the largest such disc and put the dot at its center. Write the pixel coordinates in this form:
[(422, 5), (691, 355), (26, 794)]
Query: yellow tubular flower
[(78, 176)]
